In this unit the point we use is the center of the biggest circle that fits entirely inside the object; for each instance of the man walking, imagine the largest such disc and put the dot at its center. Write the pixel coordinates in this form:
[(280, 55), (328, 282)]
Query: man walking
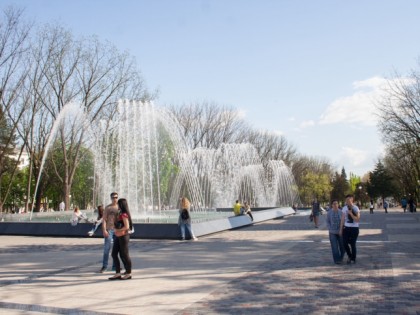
[(109, 218)]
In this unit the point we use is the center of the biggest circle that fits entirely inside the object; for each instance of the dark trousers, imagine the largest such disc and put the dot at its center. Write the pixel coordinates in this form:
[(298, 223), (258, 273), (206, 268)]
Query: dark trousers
[(350, 235), (121, 247)]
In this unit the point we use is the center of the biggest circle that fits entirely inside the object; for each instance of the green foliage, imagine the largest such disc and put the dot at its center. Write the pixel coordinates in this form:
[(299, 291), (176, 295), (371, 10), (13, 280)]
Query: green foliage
[(82, 186), (81, 189), (7, 144), (340, 186), (315, 185), (354, 182), (381, 182), (16, 197), (167, 169)]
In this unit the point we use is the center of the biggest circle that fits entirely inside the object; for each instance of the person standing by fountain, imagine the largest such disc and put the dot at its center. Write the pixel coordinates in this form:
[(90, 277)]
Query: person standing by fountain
[(123, 226), (108, 220), (184, 220), (62, 206)]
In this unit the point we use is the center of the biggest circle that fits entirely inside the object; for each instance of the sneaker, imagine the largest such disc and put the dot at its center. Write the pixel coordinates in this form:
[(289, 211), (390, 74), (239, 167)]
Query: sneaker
[(195, 239), (90, 233), (103, 269)]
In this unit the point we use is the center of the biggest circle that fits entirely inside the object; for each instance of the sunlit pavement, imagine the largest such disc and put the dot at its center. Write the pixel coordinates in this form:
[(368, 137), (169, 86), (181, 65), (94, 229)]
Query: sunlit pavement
[(277, 267)]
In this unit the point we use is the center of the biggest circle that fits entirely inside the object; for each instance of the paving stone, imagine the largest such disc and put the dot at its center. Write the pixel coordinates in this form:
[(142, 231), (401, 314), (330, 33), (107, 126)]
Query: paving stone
[(280, 266)]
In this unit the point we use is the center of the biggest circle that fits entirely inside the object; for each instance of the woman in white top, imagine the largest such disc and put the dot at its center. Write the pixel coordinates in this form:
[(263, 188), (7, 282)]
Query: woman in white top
[(349, 228)]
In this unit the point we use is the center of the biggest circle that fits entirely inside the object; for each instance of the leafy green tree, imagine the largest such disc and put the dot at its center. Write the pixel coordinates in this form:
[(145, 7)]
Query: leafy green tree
[(340, 186), (315, 186), (381, 183), (354, 182)]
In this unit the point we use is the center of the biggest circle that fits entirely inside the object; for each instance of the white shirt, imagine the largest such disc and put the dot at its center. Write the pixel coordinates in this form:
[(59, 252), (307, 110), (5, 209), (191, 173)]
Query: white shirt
[(347, 221)]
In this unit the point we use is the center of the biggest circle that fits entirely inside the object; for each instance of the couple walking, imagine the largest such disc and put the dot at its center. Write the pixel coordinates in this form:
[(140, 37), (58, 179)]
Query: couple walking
[(343, 227), (116, 228)]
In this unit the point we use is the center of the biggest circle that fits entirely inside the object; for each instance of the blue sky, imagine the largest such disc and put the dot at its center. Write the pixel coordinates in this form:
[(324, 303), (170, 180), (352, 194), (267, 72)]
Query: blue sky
[(306, 69)]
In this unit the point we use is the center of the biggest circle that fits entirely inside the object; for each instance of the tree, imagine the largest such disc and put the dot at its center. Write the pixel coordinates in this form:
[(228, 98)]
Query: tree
[(209, 125), (302, 165), (340, 186), (67, 71), (271, 146), (315, 186), (399, 122), (381, 182), (14, 45)]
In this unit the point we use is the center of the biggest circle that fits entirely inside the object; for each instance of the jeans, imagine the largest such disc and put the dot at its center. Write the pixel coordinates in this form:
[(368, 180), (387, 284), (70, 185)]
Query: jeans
[(121, 247), (108, 243), (188, 225), (350, 235), (337, 247)]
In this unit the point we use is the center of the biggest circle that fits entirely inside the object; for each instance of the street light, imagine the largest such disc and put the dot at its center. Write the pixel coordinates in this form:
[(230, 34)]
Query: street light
[(360, 195)]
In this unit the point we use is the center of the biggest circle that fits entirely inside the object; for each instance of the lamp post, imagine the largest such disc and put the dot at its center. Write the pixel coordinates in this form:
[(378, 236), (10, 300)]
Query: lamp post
[(360, 196)]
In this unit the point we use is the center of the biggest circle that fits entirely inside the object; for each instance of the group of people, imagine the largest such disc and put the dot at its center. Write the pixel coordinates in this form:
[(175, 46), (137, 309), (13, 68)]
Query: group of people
[(117, 226), (410, 203)]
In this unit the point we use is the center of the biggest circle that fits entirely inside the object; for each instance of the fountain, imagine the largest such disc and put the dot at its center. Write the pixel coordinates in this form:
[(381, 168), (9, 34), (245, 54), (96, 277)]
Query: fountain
[(142, 154)]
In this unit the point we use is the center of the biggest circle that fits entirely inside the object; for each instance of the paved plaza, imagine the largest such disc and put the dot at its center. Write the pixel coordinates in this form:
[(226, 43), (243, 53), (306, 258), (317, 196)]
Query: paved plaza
[(281, 266)]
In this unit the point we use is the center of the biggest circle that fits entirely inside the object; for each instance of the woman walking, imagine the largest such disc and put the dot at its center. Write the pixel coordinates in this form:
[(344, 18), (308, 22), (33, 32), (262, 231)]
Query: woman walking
[(123, 226), (336, 240)]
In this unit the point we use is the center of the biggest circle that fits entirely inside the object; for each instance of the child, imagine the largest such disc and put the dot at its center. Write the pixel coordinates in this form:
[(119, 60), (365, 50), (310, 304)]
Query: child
[(98, 221)]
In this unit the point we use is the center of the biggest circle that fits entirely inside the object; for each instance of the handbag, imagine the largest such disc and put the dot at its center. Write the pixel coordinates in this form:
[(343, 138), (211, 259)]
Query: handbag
[(311, 217)]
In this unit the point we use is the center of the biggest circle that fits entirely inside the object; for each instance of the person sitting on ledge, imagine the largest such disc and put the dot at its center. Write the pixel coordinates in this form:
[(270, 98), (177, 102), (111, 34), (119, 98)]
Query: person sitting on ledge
[(78, 216), (247, 210), (237, 208)]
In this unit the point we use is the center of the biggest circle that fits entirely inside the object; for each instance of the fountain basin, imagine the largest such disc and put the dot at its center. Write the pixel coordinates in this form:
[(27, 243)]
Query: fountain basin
[(143, 230)]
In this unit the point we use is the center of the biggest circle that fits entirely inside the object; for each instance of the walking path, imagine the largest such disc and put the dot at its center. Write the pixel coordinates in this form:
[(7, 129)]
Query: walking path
[(280, 266)]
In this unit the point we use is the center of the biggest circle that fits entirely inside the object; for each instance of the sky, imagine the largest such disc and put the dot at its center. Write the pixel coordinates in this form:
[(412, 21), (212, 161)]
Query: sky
[(308, 70)]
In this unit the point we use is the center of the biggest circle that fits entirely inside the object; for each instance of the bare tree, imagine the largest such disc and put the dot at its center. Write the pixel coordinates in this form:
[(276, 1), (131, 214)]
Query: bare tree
[(209, 125), (271, 146), (399, 123), (86, 72), (14, 45)]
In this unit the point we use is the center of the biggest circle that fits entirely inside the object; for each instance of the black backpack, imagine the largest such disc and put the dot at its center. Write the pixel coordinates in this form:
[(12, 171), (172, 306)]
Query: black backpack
[(184, 214)]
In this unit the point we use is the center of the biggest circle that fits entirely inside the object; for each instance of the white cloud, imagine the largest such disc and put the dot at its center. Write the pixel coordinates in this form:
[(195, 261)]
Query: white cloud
[(353, 157), (292, 118), (359, 107)]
